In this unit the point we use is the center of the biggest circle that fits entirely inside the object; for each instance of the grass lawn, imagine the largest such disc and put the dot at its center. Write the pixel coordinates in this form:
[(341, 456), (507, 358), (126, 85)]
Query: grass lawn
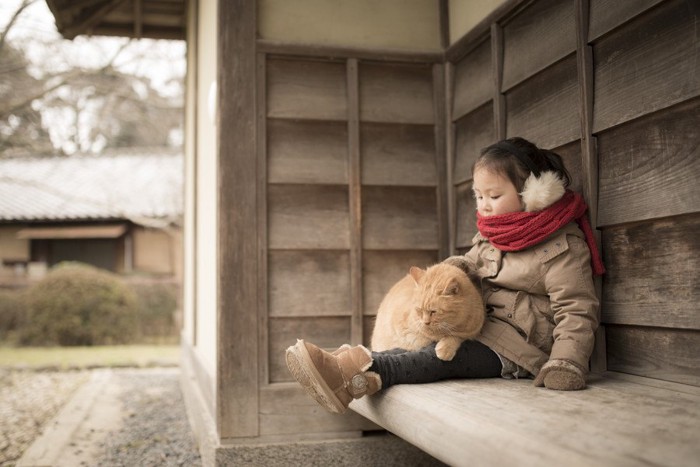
[(88, 357)]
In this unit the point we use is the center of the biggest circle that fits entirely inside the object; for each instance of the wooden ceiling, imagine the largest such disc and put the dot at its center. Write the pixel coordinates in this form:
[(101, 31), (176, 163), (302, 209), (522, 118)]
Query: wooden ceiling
[(155, 19)]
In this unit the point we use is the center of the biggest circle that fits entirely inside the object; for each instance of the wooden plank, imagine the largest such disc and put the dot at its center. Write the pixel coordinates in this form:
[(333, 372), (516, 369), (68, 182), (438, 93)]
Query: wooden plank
[(360, 53), (397, 93), (307, 152), (440, 159), (473, 81), (355, 201), (262, 179), (384, 268), (237, 317), (306, 89), (466, 216), (309, 283), (665, 354), (284, 407), (450, 157), (474, 132), (499, 99), (606, 15), (571, 155), (615, 424), (649, 167), (399, 218), (637, 72), (308, 217), (540, 109), (398, 154), (327, 332), (539, 36), (653, 273)]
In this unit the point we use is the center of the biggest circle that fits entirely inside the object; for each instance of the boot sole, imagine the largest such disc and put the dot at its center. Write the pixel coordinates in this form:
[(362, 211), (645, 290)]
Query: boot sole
[(304, 371)]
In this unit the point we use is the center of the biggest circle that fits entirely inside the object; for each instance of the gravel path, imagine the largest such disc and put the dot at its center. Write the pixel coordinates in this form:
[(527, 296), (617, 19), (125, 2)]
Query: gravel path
[(151, 427)]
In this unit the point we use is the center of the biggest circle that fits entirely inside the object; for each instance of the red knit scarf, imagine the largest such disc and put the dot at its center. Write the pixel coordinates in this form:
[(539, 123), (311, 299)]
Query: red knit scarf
[(519, 230)]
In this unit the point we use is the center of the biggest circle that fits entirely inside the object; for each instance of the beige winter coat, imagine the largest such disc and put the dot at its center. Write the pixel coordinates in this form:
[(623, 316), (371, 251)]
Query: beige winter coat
[(540, 302)]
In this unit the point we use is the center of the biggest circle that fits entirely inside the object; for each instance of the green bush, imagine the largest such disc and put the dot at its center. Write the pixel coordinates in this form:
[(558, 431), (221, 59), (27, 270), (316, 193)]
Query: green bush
[(156, 306), (12, 314), (77, 304)]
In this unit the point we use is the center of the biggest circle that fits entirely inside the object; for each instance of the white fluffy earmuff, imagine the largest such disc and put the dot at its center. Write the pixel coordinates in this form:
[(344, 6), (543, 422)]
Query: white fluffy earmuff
[(543, 191)]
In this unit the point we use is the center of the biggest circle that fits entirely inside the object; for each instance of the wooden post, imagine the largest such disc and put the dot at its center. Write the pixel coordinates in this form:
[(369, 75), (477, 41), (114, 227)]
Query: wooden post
[(237, 330), (499, 100)]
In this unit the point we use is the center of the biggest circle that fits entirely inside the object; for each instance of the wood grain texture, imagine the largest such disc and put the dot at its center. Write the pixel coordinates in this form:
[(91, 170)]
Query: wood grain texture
[(466, 216), (571, 155), (398, 154), (397, 93), (638, 72), (615, 422), (237, 269), (474, 132), (284, 407), (399, 218), (653, 273), (307, 151), (545, 108), (326, 332), (473, 83), (665, 354), (306, 89), (262, 177), (382, 269), (649, 168), (606, 15), (308, 217), (309, 283), (537, 37)]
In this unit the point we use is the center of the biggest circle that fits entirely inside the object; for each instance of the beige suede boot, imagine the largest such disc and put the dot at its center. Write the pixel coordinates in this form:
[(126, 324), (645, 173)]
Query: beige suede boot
[(333, 379)]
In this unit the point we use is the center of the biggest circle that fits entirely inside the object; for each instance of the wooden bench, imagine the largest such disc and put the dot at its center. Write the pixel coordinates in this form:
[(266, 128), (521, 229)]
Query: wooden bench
[(619, 420)]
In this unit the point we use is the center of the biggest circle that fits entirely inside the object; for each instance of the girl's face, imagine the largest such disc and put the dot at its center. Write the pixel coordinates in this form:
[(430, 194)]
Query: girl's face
[(495, 194)]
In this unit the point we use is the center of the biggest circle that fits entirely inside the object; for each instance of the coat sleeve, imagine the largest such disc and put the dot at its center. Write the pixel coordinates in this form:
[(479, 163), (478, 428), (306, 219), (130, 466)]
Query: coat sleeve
[(569, 284)]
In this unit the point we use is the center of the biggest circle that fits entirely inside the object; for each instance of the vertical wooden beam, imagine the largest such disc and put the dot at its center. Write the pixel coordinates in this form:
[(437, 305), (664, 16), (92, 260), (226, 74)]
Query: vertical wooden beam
[(589, 152), (355, 197), (440, 135), (444, 24), (261, 127), (138, 19), (499, 100), (237, 395), (450, 159)]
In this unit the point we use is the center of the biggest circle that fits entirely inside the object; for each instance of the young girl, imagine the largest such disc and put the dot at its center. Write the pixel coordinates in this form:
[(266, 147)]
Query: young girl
[(534, 257)]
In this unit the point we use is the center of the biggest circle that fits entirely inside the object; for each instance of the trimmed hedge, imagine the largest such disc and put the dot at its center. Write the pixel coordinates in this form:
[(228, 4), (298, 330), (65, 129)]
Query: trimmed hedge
[(12, 314), (78, 304)]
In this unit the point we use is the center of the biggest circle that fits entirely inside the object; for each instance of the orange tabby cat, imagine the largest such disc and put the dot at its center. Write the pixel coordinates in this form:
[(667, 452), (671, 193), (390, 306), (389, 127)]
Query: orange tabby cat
[(439, 304)]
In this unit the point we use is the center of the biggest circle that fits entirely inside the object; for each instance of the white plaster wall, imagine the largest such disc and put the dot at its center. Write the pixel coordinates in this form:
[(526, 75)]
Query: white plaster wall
[(465, 14), (390, 24)]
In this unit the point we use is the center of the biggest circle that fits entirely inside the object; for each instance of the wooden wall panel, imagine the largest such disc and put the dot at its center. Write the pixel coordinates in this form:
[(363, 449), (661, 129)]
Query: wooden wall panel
[(571, 155), (306, 216), (326, 332), (650, 168), (398, 154), (653, 273), (382, 269), (474, 132), (306, 89), (284, 408), (473, 81), (648, 64), (544, 109), (466, 215), (396, 93), (539, 36), (666, 354), (606, 15), (307, 152), (399, 218), (309, 283)]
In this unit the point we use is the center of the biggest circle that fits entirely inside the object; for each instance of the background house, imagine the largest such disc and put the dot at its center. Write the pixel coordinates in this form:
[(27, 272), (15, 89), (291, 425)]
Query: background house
[(328, 149), (120, 211)]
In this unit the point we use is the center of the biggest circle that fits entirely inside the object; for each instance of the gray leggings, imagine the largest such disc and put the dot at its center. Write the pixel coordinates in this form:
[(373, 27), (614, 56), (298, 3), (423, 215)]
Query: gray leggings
[(472, 360)]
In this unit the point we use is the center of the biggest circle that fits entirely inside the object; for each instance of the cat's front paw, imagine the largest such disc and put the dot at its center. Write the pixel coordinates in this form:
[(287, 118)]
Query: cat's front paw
[(447, 348)]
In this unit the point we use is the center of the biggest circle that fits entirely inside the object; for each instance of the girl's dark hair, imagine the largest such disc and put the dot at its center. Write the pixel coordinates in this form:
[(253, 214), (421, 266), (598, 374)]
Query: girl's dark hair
[(516, 158)]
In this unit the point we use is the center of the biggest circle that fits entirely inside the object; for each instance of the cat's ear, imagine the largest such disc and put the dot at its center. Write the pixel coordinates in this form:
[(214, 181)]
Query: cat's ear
[(452, 288), (416, 273)]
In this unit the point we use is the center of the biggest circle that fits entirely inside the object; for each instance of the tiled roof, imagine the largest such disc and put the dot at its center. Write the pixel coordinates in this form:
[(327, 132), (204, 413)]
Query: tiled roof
[(141, 185)]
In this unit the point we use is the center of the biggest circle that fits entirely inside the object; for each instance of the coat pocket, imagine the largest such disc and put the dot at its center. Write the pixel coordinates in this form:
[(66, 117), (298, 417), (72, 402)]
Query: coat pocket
[(533, 315)]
